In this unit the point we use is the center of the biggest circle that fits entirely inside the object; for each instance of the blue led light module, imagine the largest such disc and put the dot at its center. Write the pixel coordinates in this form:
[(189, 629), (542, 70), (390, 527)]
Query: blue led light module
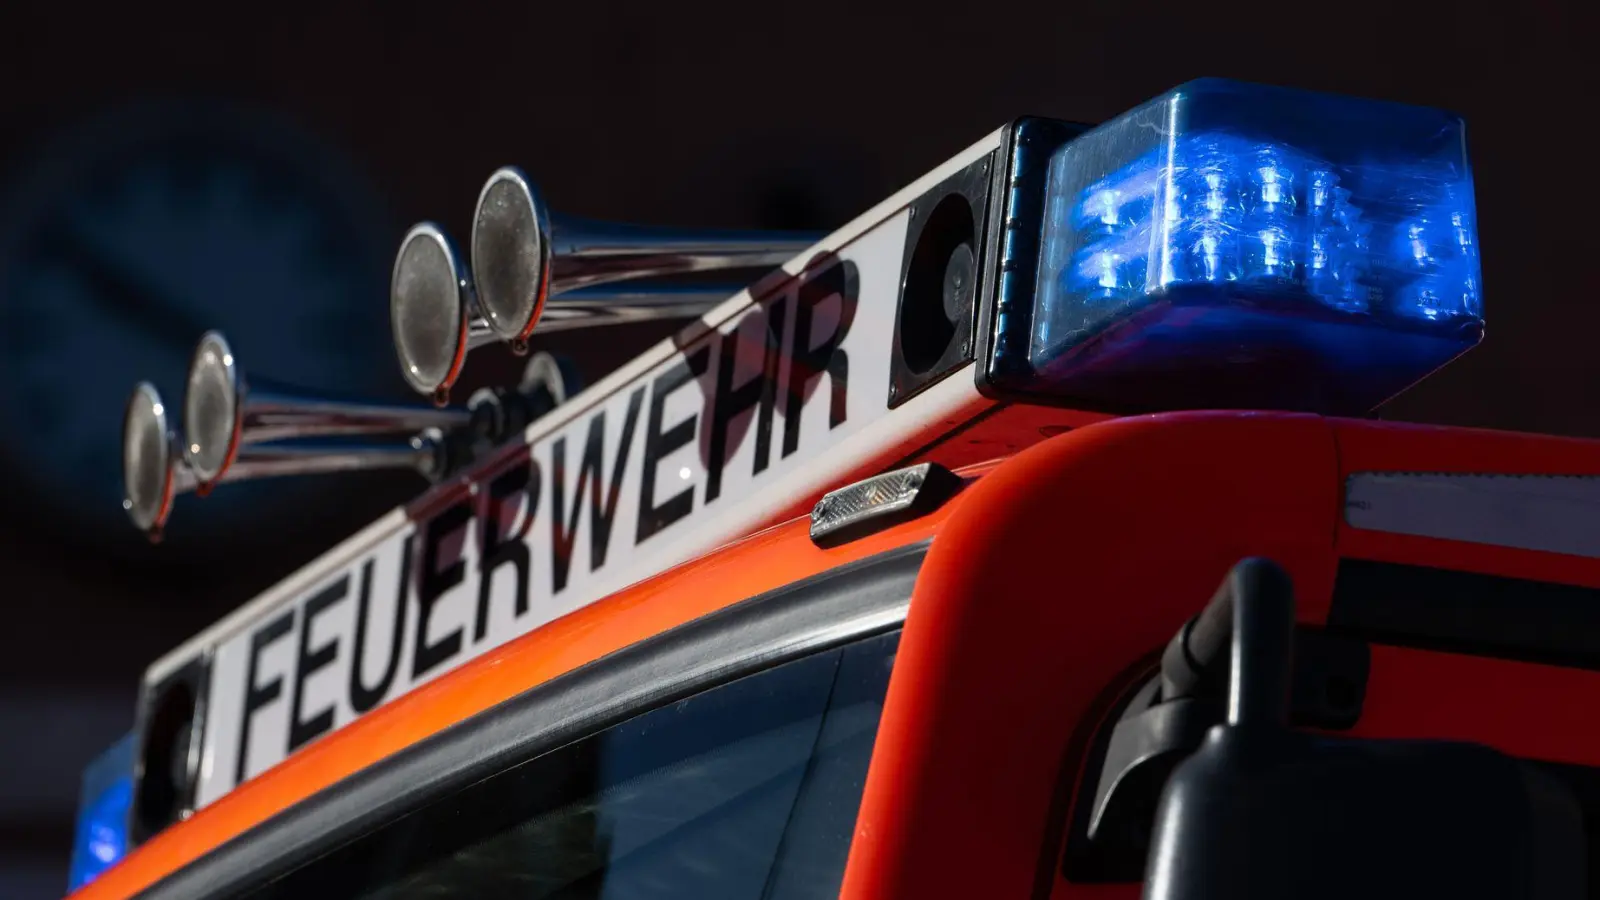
[(1233, 245)]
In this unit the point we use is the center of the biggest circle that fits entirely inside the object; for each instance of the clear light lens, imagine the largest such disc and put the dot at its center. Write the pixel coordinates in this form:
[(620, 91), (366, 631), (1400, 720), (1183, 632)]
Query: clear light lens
[(880, 501), (510, 243), (1231, 233), (428, 309), (210, 407), (146, 457), (103, 808)]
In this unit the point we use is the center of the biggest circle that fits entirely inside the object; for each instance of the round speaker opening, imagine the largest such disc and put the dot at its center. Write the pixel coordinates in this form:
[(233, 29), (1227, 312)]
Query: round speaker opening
[(164, 758), (940, 284)]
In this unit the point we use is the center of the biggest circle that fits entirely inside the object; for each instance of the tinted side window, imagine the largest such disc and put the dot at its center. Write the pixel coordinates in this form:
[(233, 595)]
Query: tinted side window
[(748, 790)]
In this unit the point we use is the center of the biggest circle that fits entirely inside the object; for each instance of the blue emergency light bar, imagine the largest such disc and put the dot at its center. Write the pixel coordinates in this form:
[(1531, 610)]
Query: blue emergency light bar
[(1232, 245), (104, 804)]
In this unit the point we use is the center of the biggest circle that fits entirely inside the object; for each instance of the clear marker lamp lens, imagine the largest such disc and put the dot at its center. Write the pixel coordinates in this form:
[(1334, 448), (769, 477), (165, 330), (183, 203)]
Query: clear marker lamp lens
[(1233, 245)]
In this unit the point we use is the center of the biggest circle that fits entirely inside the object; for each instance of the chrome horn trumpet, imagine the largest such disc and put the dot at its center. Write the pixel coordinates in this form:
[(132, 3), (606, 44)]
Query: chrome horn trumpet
[(592, 307), (152, 469), (433, 312), (523, 257), (223, 414), (155, 472)]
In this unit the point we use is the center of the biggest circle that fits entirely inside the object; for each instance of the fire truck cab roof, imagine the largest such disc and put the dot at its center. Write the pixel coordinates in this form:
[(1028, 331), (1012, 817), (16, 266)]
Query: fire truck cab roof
[(889, 576)]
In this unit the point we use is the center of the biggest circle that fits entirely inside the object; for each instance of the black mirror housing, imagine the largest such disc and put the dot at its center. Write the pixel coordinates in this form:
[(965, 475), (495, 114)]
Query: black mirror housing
[(1263, 812), (1297, 816)]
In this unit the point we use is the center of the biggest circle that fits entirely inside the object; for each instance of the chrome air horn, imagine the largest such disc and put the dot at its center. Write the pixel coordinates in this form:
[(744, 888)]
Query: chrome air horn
[(523, 257), (222, 414), (155, 471), (232, 434)]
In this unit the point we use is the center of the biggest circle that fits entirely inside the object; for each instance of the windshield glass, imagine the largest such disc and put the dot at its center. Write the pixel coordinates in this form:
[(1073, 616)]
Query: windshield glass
[(748, 790)]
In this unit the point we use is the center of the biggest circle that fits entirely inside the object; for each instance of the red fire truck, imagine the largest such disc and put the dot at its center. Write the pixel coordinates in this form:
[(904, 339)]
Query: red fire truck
[(1028, 536)]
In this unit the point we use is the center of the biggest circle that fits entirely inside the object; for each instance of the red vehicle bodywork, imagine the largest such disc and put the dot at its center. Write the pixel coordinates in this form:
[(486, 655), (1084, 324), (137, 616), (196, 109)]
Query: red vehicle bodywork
[(1053, 581)]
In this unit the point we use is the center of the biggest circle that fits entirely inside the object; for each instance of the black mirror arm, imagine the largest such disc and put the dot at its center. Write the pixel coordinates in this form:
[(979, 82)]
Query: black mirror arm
[(1262, 596), (1197, 658)]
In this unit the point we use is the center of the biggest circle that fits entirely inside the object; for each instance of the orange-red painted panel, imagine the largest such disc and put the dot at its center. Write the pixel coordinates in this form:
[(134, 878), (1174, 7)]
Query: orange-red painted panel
[(1059, 571), (763, 562)]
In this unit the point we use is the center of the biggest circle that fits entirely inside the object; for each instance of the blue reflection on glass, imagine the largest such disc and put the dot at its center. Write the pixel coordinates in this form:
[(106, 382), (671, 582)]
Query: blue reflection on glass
[(102, 828)]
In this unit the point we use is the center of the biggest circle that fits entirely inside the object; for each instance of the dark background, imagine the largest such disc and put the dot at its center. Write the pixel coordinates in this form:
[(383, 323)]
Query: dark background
[(735, 114)]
